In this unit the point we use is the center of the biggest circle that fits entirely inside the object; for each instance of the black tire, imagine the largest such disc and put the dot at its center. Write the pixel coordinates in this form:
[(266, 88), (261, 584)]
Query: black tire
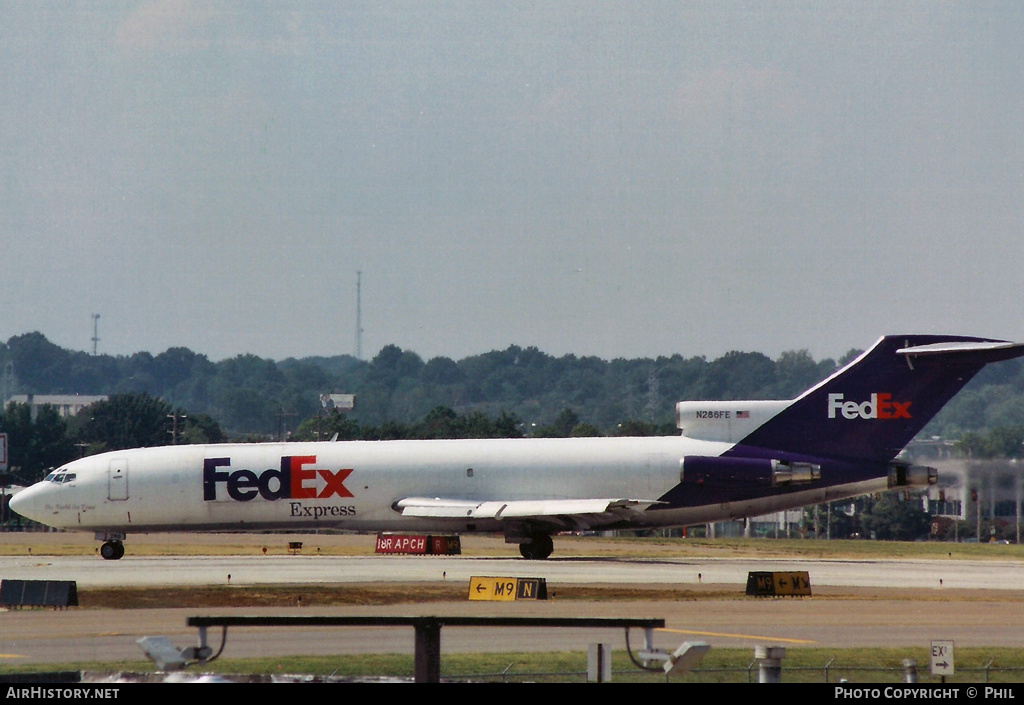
[(112, 550), (539, 548)]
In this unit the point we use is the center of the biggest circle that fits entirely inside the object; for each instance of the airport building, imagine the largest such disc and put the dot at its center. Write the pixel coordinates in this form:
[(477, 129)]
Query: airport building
[(67, 405), (973, 500)]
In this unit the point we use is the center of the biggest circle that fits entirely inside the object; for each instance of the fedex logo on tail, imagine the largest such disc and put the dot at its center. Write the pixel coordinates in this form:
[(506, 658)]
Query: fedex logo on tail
[(879, 406), (294, 480)]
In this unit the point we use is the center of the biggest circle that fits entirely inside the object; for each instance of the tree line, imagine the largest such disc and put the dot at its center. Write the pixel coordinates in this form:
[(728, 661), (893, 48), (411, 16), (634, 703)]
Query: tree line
[(182, 396), (249, 395), (41, 440)]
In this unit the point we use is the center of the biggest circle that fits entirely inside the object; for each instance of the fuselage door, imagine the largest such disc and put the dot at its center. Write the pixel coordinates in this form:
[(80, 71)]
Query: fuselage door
[(117, 480)]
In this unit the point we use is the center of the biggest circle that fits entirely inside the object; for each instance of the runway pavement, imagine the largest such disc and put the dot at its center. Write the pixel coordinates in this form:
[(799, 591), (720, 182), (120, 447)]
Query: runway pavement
[(90, 571), (855, 603)]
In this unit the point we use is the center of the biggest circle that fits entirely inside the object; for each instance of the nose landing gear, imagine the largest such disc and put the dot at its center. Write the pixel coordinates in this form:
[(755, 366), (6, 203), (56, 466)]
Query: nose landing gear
[(112, 550)]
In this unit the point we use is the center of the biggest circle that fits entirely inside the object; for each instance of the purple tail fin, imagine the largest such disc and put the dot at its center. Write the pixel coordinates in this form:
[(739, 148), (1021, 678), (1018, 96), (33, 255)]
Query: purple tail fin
[(873, 407)]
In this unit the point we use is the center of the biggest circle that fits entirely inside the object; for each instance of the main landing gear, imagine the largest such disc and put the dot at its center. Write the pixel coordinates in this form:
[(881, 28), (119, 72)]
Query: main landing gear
[(537, 547), (112, 550)]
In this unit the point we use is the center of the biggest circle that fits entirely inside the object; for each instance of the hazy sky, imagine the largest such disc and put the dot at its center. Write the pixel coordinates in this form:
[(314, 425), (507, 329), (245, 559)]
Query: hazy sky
[(620, 179)]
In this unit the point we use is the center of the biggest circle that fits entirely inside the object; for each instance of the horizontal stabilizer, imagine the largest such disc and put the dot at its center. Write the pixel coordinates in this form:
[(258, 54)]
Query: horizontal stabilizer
[(994, 347)]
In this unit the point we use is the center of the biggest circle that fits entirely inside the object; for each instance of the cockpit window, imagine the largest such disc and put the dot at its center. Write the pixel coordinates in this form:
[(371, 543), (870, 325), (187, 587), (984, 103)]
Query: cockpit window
[(49, 478), (70, 477)]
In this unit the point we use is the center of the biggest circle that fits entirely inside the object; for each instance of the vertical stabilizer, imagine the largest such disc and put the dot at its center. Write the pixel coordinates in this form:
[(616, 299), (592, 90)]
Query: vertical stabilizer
[(873, 407)]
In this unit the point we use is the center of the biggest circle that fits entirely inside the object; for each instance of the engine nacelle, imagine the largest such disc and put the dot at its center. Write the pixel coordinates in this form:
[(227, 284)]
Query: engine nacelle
[(746, 472), (906, 475)]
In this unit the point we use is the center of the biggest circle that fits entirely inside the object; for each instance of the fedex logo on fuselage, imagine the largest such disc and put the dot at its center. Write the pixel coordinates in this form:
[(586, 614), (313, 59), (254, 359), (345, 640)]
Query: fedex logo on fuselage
[(293, 480), (879, 406)]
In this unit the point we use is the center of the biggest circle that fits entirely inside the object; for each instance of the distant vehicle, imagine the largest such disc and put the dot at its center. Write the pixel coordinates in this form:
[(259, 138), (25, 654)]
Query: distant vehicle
[(733, 459)]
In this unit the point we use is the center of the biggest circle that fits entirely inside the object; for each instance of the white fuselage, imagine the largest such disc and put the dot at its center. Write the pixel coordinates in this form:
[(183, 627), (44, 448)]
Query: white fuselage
[(735, 459), (355, 485)]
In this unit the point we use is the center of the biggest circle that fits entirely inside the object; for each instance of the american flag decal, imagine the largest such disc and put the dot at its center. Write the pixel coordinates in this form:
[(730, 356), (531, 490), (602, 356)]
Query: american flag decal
[(743, 414)]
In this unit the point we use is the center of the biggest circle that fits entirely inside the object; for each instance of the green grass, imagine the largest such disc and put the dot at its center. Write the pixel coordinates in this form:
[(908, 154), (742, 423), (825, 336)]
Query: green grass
[(1005, 665)]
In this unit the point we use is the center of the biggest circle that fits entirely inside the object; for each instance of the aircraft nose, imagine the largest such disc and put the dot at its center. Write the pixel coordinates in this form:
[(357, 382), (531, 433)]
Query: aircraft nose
[(27, 503)]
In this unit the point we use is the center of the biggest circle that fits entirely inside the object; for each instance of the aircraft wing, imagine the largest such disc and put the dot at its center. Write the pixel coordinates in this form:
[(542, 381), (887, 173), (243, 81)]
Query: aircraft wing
[(565, 513)]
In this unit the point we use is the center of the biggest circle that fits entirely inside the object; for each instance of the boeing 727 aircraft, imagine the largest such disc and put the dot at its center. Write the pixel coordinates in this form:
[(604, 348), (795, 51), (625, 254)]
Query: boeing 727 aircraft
[(733, 459)]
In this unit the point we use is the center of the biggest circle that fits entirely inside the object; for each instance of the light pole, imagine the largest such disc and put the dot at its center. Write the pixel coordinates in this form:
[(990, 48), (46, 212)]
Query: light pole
[(174, 426)]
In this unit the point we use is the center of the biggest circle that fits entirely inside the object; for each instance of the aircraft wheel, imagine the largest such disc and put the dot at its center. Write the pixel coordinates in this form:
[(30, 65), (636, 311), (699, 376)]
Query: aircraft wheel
[(112, 550), (538, 549)]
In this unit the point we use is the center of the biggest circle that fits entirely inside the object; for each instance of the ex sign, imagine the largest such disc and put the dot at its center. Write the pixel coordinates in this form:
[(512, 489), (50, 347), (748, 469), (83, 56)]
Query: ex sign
[(942, 658), (507, 589)]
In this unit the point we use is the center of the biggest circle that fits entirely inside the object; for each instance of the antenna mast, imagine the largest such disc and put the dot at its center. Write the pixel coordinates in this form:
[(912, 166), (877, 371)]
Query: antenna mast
[(95, 331), (359, 315)]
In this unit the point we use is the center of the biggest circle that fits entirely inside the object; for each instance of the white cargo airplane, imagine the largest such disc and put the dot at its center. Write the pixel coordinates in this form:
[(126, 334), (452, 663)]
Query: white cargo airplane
[(733, 459)]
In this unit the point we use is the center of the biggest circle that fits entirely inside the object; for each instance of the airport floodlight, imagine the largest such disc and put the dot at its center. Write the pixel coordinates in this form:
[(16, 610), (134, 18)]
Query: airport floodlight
[(686, 657), (167, 657), (164, 655)]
